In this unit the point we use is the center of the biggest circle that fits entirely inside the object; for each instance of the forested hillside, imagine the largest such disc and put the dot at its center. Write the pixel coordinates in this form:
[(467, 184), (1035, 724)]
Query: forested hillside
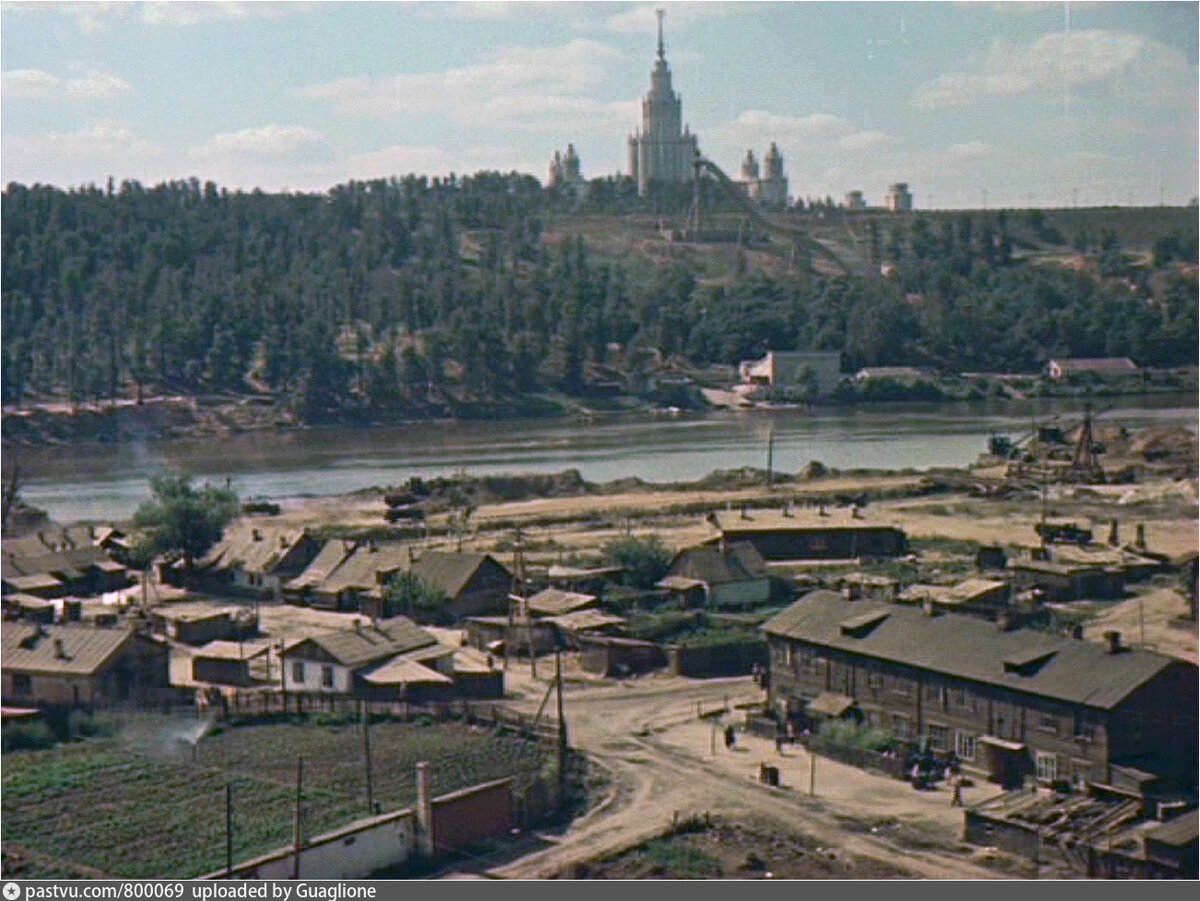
[(412, 297)]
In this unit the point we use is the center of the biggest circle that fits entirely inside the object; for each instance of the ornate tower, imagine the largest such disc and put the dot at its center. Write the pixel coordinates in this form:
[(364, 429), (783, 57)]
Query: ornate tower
[(664, 150), (773, 187)]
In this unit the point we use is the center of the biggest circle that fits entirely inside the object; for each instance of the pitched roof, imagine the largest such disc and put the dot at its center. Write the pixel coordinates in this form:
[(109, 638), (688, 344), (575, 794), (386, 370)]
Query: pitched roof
[(25, 647), (331, 555), (1097, 364), (401, 671), (799, 520), (739, 562), (367, 644), (366, 568), (231, 650), (1070, 669), (252, 548), (555, 602), (581, 620), (450, 571)]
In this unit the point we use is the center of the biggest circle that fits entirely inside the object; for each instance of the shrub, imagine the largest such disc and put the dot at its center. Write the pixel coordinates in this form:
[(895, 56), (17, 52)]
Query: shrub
[(646, 559)]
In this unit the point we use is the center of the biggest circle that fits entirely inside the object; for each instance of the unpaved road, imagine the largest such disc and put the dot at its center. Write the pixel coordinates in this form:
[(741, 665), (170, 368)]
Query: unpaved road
[(631, 729)]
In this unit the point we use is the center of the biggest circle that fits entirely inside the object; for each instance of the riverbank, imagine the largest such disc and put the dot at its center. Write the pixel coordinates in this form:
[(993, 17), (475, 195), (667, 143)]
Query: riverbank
[(188, 417)]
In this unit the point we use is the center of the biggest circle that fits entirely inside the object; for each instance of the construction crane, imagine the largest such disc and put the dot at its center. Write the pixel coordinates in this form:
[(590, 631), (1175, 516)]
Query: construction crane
[(802, 241)]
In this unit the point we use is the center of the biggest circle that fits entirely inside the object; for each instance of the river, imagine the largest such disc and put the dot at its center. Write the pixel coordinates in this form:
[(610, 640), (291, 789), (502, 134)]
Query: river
[(107, 482)]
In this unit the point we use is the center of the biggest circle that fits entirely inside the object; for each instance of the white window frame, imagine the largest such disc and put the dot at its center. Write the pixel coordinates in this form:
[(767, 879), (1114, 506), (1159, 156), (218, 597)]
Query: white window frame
[(964, 745), (1046, 765), (298, 671)]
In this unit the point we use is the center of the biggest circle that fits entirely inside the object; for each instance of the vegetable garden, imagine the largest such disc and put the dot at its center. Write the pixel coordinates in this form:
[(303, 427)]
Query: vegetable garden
[(141, 804)]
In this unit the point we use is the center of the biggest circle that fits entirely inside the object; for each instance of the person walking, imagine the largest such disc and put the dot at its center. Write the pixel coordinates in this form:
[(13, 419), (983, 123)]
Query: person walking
[(956, 791)]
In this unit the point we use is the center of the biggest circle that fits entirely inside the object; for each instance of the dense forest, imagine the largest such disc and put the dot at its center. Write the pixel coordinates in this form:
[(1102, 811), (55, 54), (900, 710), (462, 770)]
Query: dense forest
[(415, 296)]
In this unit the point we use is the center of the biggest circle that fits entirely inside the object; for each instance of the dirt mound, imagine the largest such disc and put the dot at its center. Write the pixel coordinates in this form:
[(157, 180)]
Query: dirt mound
[(1165, 445)]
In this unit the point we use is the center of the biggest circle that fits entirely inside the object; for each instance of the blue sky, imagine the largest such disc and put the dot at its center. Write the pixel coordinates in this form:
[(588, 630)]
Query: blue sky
[(1042, 104)]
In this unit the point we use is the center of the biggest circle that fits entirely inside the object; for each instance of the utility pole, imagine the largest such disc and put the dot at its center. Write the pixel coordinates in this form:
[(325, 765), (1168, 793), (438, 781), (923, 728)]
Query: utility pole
[(770, 455), (228, 830), (812, 774), (296, 827), (562, 731), (519, 576), (366, 731)]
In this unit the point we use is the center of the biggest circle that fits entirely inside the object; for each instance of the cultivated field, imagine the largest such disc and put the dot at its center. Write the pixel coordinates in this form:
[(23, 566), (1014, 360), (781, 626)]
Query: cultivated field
[(136, 805)]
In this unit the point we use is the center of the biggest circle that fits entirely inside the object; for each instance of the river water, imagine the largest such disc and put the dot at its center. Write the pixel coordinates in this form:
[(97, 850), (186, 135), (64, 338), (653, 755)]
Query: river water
[(108, 482)]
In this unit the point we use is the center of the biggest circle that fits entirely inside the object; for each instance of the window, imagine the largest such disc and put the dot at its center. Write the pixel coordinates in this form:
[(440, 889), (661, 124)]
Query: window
[(960, 698), (874, 681), (1047, 766), (787, 655), (297, 671), (1085, 728), (964, 745), (937, 694), (901, 687), (1048, 722), (327, 676), (22, 684), (939, 737), (900, 725)]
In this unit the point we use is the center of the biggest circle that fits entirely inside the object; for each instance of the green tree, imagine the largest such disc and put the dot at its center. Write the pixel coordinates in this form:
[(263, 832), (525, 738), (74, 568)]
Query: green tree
[(409, 595), (646, 559), (185, 519)]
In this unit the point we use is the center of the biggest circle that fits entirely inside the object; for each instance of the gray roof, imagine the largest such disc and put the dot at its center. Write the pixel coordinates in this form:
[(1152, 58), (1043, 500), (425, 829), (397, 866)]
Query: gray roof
[(370, 643), (29, 648), (366, 568), (331, 555), (555, 602), (1038, 663), (581, 620), (450, 571), (798, 520), (252, 548), (739, 562)]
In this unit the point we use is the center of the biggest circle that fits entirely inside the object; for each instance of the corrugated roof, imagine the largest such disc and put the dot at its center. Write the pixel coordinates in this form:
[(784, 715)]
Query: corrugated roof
[(1079, 671), (555, 601), (739, 562), (450, 571), (29, 648), (367, 644)]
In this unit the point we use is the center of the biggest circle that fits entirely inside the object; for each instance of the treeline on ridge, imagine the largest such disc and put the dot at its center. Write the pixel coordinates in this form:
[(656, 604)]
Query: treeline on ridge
[(419, 296)]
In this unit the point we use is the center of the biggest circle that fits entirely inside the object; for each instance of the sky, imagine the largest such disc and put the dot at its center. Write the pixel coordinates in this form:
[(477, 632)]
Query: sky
[(974, 105)]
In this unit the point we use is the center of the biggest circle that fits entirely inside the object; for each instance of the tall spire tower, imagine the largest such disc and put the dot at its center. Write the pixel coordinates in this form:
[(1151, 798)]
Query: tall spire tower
[(664, 150)]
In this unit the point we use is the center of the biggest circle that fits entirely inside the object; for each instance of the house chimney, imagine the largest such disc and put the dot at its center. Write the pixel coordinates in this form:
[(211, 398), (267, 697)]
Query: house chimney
[(1114, 533), (256, 535), (358, 625), (1077, 631), (59, 651), (1114, 642), (283, 542), (424, 811), (929, 607), (1141, 535), (1004, 621)]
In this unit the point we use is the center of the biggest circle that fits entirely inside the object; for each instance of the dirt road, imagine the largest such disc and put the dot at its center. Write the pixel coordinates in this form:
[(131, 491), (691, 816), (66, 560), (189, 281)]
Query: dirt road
[(648, 736)]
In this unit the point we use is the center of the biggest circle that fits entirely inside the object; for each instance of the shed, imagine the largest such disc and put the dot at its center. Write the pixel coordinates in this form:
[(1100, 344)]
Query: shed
[(556, 602), (226, 662), (808, 535)]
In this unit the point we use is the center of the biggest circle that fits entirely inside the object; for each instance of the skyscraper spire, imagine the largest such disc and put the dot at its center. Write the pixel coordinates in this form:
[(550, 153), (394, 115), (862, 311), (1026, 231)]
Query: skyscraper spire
[(660, 12)]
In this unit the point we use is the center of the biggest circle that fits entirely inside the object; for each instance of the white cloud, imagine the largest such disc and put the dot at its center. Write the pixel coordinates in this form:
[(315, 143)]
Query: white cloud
[(89, 154), (971, 151), (267, 142), (36, 84), (100, 139), (640, 18), (533, 88), (1078, 60), (98, 17), (862, 141)]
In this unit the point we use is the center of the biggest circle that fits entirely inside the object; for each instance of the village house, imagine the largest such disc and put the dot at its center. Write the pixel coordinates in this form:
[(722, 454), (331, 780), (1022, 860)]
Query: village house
[(227, 662), (809, 535), (1008, 703), (1102, 366), (81, 666), (391, 659), (726, 575), (1062, 581), (474, 584), (199, 623), (257, 560), (976, 597), (350, 575)]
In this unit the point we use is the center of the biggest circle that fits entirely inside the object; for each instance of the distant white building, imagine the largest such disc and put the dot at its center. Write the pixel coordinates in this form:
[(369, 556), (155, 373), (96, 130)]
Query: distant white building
[(792, 368), (898, 198)]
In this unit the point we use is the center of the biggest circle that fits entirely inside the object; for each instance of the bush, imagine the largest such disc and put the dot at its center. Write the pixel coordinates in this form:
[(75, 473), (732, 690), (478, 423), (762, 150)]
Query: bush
[(646, 560), (849, 734), (31, 736)]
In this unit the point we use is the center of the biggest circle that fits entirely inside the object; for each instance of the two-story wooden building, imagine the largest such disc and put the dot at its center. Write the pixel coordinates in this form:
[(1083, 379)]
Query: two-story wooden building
[(1006, 702)]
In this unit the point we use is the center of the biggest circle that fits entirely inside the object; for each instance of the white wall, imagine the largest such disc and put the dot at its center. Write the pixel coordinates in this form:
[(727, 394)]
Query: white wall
[(313, 681)]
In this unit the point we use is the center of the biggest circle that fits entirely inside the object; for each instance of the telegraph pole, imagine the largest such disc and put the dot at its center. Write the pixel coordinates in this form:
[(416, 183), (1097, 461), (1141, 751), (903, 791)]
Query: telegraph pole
[(297, 840), (366, 731), (228, 830), (770, 455), (562, 731)]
